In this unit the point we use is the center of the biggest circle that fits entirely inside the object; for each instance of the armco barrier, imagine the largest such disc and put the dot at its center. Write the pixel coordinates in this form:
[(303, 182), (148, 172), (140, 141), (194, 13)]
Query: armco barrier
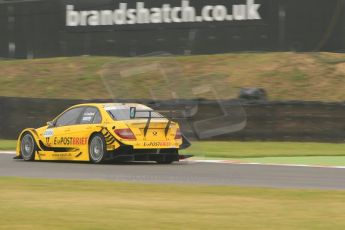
[(288, 121)]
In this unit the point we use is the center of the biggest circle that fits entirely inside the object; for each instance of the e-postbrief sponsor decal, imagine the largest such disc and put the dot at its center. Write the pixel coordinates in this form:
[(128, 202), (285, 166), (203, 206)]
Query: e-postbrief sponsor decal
[(165, 13), (158, 144), (70, 140)]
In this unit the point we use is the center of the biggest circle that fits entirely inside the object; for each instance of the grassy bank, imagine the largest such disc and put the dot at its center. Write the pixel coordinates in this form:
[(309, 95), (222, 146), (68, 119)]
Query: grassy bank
[(62, 204), (285, 76)]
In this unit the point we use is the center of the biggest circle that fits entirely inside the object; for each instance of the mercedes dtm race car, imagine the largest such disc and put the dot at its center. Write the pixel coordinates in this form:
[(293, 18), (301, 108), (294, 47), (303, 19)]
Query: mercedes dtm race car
[(101, 132)]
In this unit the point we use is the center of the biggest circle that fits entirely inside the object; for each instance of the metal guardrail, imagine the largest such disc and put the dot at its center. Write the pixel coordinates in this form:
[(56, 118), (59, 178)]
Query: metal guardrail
[(279, 120)]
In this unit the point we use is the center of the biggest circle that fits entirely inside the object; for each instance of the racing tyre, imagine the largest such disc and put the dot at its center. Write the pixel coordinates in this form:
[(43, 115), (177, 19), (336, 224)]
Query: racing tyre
[(28, 147), (97, 149)]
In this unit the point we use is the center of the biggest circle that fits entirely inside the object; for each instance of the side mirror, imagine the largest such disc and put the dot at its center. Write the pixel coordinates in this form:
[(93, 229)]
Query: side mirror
[(50, 124)]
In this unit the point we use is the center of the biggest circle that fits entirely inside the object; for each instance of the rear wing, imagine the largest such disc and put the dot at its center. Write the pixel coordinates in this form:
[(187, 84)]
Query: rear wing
[(133, 111), (133, 114)]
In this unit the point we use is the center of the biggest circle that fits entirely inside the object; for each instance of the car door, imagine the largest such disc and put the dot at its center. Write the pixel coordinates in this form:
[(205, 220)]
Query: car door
[(90, 121), (65, 128), (73, 128)]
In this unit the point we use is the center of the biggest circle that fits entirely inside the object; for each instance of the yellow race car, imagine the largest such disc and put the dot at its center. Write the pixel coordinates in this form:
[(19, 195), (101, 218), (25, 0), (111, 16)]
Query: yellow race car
[(102, 132)]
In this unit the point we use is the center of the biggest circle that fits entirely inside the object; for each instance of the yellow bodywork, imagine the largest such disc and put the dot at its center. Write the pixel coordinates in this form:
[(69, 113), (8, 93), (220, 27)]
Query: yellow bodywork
[(72, 141)]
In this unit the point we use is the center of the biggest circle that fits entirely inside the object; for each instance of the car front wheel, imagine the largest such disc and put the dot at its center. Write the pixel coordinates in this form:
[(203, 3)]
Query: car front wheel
[(97, 149), (28, 147)]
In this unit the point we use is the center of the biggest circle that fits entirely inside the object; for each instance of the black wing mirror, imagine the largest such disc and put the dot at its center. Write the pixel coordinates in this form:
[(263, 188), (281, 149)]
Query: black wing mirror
[(50, 124)]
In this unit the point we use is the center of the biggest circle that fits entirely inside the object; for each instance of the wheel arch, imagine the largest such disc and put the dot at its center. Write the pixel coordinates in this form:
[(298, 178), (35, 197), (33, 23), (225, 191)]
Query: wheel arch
[(92, 134), (104, 145), (33, 132)]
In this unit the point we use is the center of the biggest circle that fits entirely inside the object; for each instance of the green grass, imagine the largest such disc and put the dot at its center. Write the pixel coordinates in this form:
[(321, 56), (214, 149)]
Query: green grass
[(7, 144), (285, 76), (264, 149), (75, 204)]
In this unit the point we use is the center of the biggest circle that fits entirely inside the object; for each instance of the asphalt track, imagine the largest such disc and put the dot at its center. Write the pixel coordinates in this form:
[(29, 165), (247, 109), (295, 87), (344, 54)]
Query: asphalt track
[(181, 173)]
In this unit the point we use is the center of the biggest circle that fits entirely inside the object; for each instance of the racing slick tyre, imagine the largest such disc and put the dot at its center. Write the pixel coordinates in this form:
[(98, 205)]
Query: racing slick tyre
[(28, 147), (97, 148)]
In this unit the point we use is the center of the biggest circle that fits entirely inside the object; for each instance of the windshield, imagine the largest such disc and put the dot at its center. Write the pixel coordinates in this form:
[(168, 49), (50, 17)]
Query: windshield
[(124, 114)]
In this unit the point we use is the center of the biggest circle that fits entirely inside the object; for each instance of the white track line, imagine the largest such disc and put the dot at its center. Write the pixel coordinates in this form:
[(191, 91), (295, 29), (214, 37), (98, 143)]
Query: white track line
[(267, 164), (7, 152), (234, 162)]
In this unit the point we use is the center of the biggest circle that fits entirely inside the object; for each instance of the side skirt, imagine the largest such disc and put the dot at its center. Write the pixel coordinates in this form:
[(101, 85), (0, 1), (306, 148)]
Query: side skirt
[(59, 156)]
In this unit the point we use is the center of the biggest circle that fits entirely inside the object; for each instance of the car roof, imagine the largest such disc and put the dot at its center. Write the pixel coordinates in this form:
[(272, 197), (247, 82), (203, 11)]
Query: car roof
[(114, 105)]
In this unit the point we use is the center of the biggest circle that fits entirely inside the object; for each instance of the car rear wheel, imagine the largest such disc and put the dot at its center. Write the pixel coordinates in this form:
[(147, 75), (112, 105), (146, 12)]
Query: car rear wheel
[(97, 149), (28, 147)]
